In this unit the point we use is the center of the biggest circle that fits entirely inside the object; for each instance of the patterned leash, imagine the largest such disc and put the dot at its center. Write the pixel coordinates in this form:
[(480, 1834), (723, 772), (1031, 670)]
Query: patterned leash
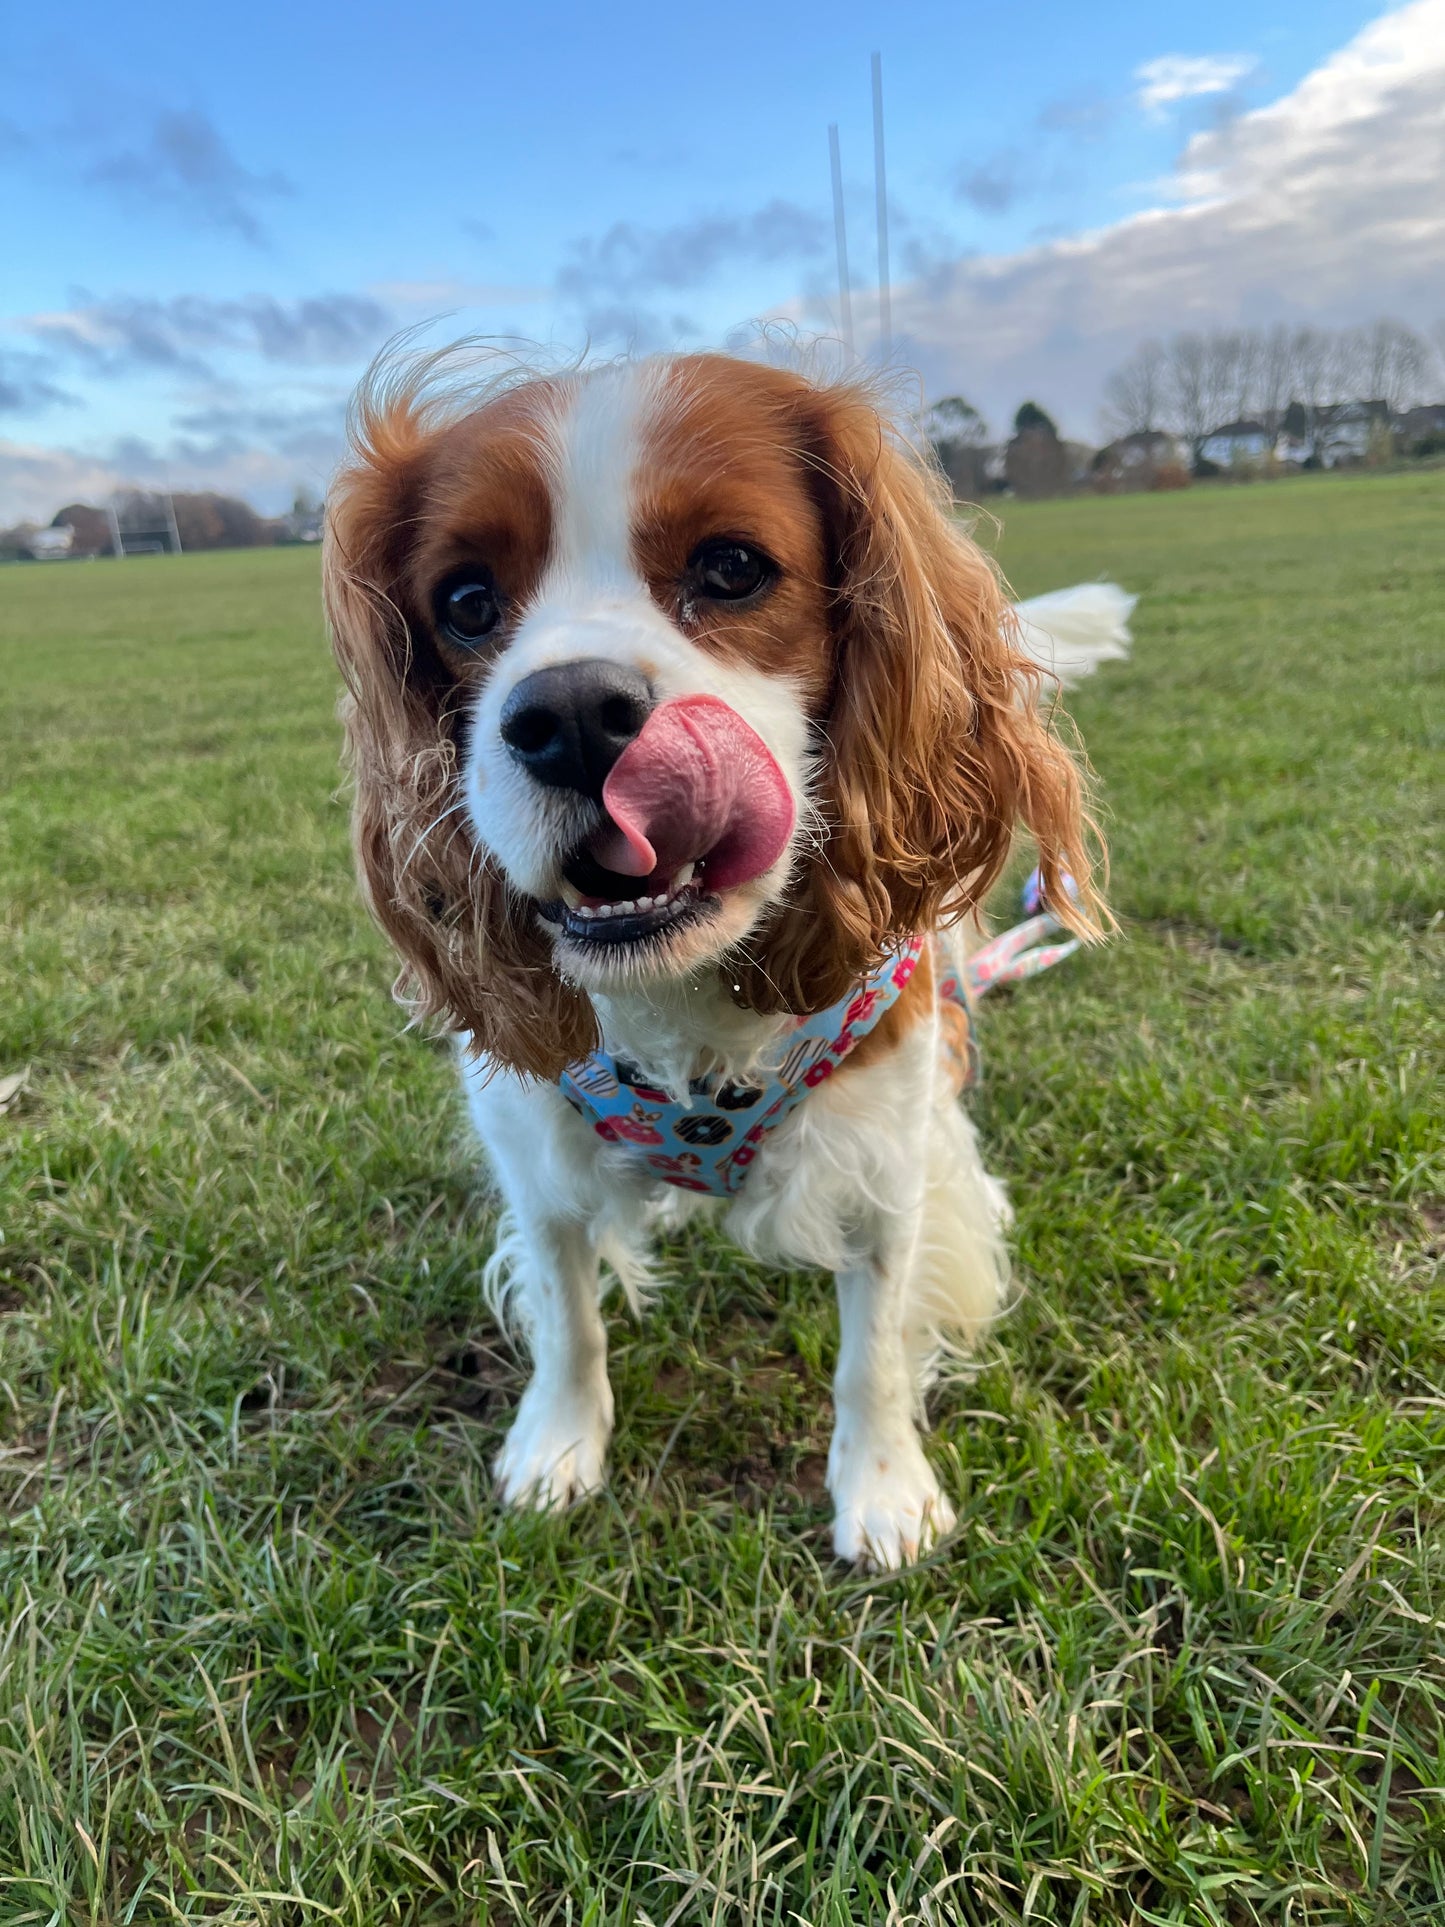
[(1018, 953)]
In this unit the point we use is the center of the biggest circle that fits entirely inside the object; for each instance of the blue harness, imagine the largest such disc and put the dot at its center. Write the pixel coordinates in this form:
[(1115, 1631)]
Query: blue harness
[(709, 1143)]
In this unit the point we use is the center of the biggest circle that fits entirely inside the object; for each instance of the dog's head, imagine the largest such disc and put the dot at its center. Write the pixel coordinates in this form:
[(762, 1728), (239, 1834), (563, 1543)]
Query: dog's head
[(665, 666)]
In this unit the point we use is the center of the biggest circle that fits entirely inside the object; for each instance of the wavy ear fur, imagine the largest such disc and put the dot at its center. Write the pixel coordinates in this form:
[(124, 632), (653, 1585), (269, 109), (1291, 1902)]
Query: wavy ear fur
[(470, 955), (934, 744)]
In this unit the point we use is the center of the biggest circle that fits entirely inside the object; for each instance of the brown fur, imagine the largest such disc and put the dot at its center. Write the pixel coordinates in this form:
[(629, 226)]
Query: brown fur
[(891, 622), (936, 745), (472, 955)]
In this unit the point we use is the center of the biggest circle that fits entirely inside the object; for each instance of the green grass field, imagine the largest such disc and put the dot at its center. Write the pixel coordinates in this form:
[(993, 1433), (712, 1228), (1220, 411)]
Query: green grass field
[(268, 1652)]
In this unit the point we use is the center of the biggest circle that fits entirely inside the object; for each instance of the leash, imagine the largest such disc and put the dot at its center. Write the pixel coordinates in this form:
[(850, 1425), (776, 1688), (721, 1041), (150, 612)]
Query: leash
[(1017, 954)]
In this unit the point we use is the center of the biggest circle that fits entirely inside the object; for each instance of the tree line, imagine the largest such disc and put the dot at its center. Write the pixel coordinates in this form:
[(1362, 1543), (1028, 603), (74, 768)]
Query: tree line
[(202, 519), (1194, 383)]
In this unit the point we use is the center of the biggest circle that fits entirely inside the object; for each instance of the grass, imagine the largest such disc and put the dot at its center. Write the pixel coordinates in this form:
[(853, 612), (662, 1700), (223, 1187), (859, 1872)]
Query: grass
[(268, 1652)]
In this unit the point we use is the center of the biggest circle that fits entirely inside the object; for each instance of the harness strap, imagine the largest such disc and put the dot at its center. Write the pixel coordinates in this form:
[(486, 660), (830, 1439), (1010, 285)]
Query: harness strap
[(709, 1142)]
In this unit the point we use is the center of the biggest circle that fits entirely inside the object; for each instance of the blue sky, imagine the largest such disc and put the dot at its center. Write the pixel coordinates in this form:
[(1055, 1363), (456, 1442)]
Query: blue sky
[(214, 215)]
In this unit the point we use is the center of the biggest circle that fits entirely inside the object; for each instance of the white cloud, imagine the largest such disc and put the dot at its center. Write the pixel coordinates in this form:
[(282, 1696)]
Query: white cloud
[(1174, 77), (35, 481), (1324, 206), (127, 332), (447, 291)]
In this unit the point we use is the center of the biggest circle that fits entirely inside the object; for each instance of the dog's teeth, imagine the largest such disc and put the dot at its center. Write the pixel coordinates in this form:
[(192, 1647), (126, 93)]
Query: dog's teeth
[(682, 879), (584, 910), (646, 903), (625, 908), (570, 894)]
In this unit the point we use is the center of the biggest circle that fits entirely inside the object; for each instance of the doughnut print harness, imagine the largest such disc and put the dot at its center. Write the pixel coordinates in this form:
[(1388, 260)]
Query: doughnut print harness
[(710, 1143)]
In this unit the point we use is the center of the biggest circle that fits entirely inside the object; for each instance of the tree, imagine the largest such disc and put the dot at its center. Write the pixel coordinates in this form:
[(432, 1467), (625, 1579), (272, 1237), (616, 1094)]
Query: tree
[(1310, 360), (1036, 461), (1134, 394), (211, 521), (1395, 362), (1189, 393), (1274, 377), (91, 528), (958, 435), (1286, 378), (1030, 415)]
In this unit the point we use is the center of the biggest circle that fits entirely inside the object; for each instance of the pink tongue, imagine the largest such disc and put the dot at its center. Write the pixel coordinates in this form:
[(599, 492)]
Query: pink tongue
[(696, 782)]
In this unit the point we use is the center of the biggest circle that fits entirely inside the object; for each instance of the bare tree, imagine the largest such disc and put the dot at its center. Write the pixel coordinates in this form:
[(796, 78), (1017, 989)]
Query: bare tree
[(1348, 371), (1396, 364), (1240, 373), (1273, 392), (1134, 395), (1194, 383), (1311, 353), (1189, 393), (1221, 350)]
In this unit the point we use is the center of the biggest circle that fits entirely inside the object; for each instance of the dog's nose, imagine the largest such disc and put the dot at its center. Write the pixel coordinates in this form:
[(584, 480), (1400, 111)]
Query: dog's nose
[(567, 726)]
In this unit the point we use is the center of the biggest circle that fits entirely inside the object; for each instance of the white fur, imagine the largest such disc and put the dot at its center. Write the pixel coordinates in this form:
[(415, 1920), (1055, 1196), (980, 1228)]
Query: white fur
[(1071, 631), (876, 1177), (593, 602)]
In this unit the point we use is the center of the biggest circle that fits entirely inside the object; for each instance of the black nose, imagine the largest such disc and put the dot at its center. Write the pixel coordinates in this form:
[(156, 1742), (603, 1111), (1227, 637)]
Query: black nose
[(567, 726)]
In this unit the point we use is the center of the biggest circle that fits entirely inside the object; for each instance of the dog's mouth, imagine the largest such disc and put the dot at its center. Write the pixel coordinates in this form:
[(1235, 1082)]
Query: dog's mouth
[(695, 807), (600, 908)]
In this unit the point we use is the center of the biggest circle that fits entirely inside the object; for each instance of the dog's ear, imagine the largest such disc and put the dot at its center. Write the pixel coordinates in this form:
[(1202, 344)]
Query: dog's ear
[(471, 955), (934, 745)]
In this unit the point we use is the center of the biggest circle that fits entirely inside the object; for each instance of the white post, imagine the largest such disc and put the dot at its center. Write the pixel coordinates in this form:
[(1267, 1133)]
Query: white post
[(840, 235), (880, 181)]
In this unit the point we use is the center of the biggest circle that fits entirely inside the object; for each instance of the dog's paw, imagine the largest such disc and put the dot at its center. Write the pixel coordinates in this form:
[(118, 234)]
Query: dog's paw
[(556, 1451), (890, 1509)]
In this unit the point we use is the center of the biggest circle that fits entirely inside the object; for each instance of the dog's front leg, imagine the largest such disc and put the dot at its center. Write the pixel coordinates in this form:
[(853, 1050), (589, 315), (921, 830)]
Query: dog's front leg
[(556, 1450), (888, 1505), (546, 1271)]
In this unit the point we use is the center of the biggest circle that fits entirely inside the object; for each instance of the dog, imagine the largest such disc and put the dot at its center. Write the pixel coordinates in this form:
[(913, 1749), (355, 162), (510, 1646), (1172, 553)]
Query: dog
[(689, 730)]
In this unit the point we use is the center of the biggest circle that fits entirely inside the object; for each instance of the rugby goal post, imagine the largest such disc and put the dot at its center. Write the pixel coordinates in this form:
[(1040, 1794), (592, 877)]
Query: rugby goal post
[(152, 531)]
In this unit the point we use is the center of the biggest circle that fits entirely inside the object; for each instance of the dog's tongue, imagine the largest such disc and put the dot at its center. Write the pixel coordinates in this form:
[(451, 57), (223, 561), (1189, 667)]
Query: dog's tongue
[(696, 782)]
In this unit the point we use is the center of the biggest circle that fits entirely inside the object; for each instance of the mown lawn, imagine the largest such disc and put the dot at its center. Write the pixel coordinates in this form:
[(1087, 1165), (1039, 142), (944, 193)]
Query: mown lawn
[(267, 1650)]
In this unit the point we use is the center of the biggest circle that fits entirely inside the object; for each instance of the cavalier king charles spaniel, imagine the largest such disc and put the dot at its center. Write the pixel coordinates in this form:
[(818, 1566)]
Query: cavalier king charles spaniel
[(689, 730)]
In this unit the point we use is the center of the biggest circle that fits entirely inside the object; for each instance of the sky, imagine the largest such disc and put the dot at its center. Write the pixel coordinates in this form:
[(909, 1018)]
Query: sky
[(215, 216)]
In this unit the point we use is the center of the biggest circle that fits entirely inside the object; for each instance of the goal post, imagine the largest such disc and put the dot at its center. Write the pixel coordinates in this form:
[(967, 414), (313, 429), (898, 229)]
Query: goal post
[(142, 523)]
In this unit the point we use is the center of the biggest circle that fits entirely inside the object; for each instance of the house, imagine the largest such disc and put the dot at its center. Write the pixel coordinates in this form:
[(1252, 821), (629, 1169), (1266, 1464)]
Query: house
[(1135, 461), (51, 545), (1349, 431), (1423, 424), (305, 522), (1295, 449), (1235, 444)]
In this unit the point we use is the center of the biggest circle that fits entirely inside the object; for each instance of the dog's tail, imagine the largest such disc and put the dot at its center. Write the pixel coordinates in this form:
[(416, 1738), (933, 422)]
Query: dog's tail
[(1072, 631)]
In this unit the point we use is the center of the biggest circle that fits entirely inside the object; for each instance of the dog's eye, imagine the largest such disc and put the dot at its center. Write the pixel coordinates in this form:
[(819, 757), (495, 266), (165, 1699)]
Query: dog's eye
[(468, 608), (729, 571)]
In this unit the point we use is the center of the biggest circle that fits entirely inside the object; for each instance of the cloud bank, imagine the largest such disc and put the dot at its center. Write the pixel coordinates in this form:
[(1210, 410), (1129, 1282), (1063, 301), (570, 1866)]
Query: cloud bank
[(126, 333), (1324, 206)]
